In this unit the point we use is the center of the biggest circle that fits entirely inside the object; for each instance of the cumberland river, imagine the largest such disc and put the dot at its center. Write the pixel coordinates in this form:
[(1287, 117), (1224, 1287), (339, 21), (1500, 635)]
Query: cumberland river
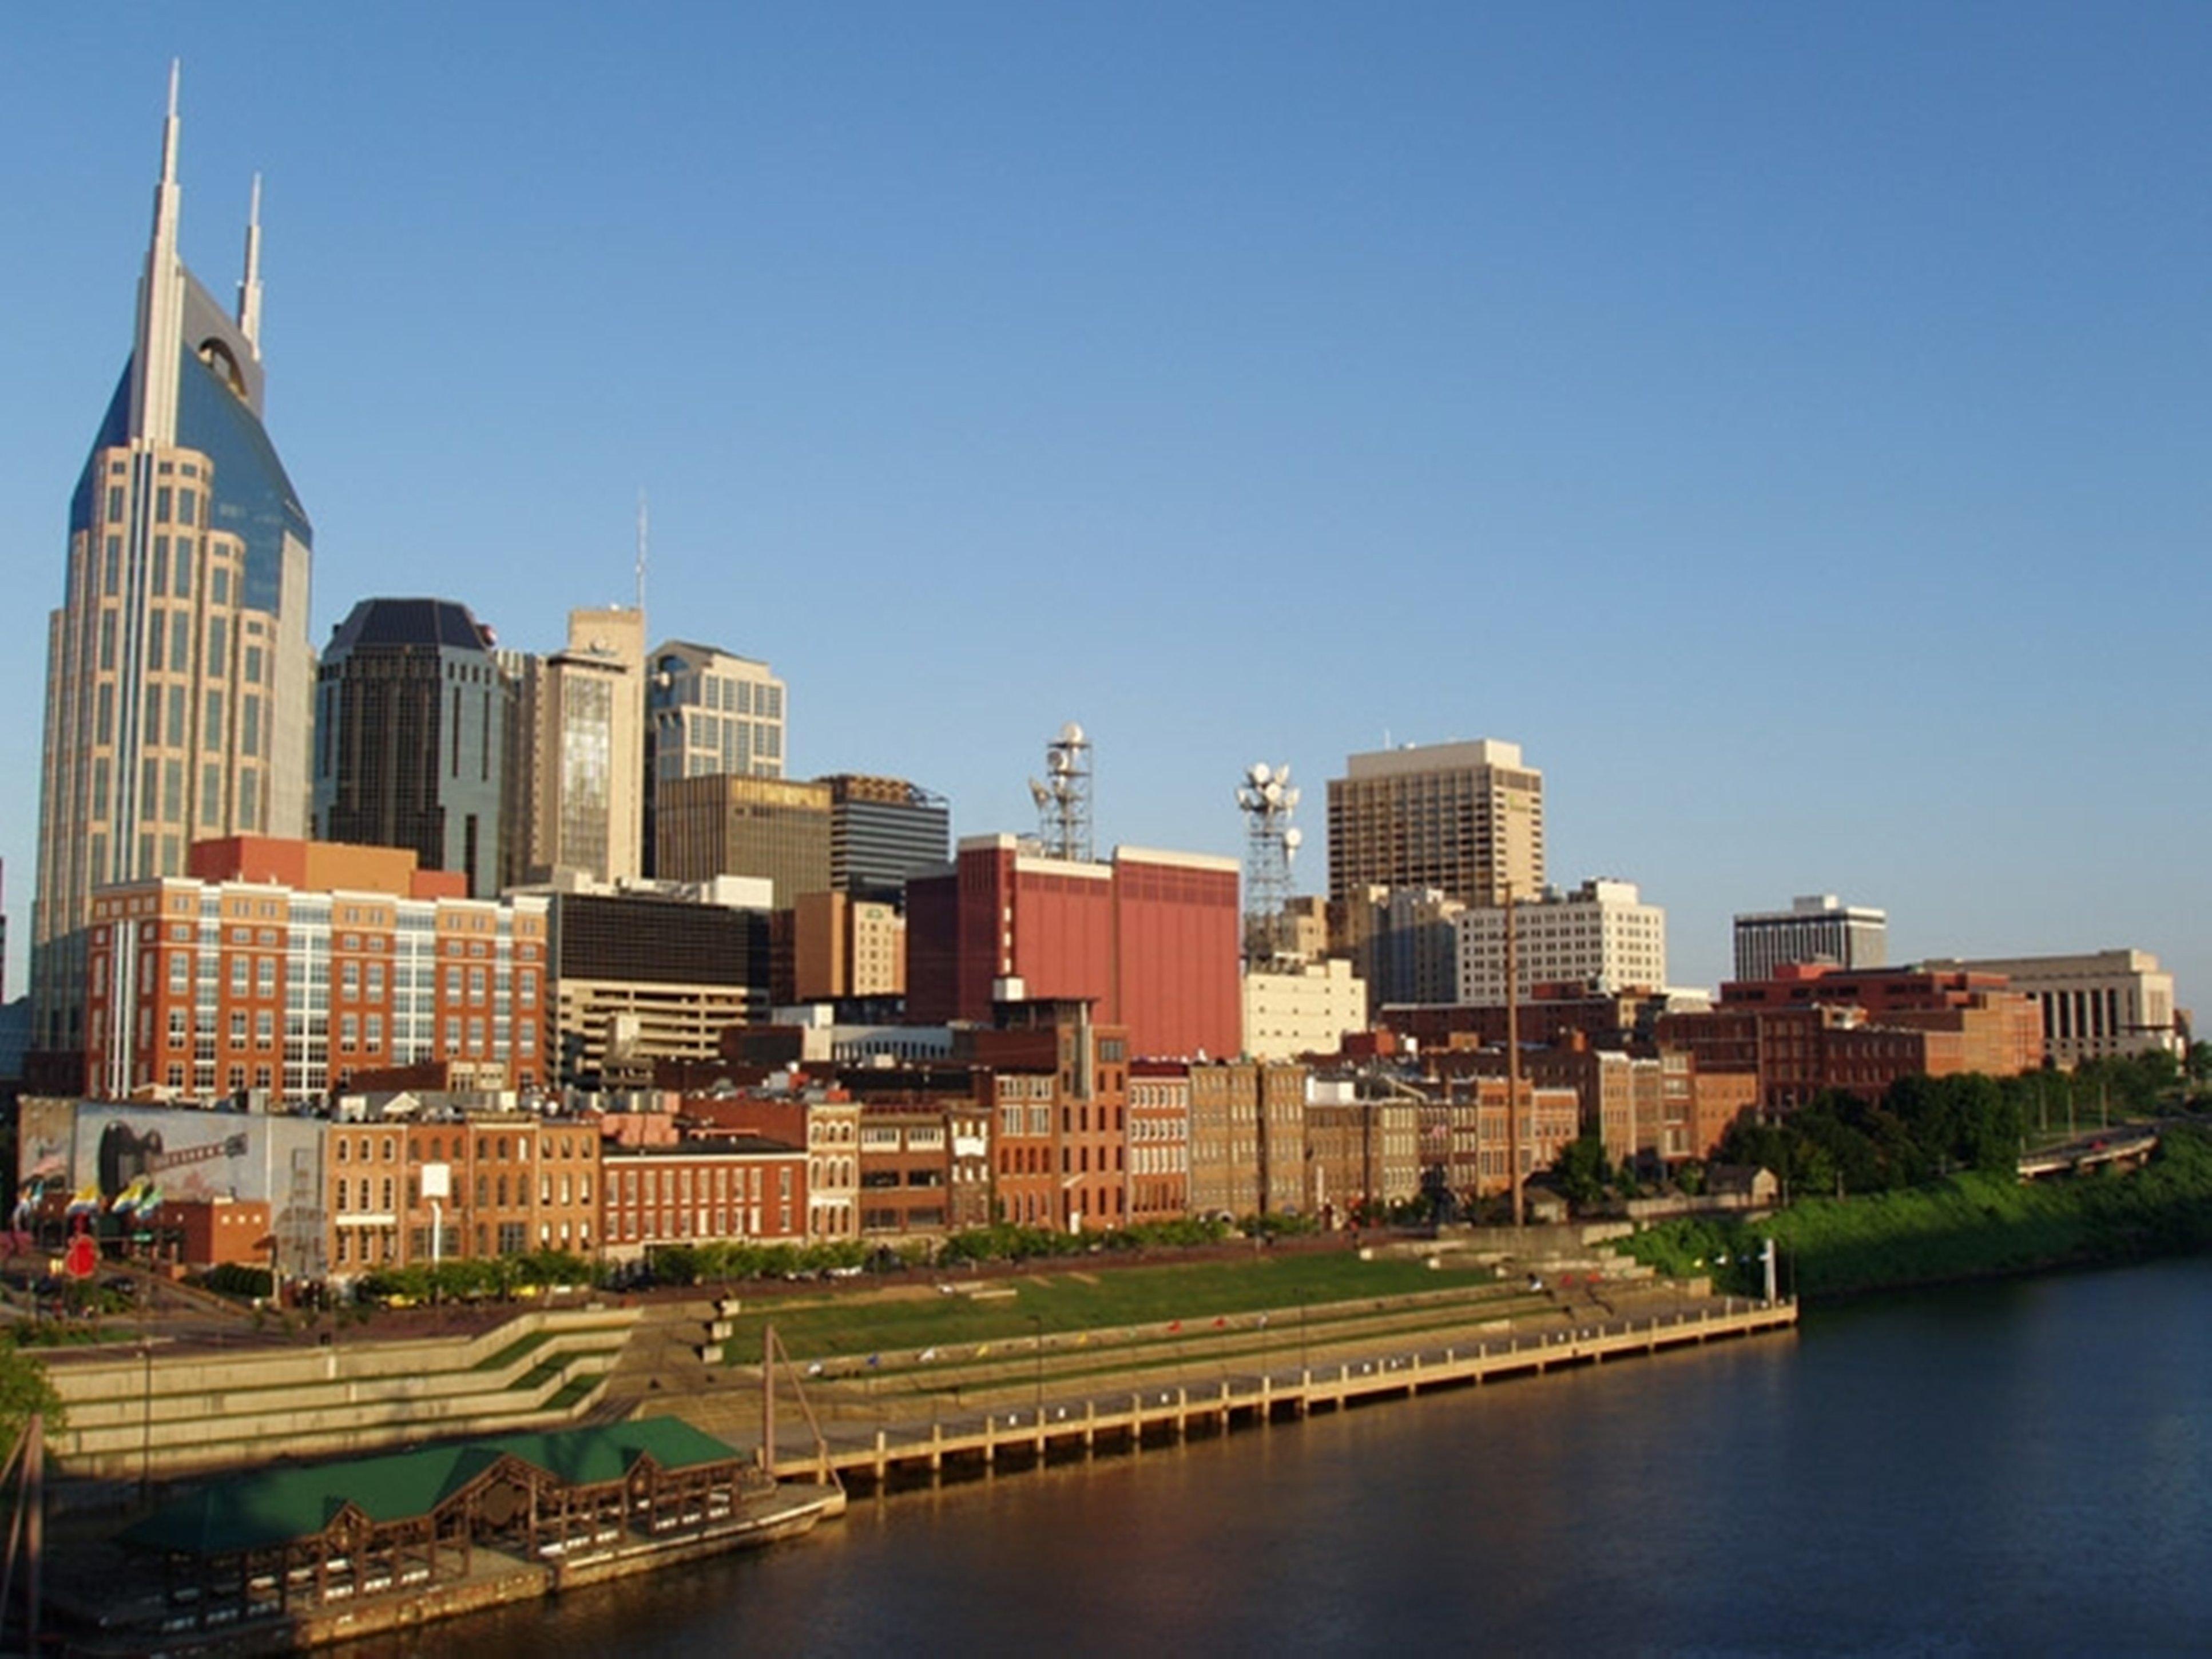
[(2009, 1468)]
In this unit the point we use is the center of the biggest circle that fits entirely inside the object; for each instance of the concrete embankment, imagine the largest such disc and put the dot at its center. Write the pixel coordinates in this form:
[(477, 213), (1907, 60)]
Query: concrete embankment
[(1125, 1419)]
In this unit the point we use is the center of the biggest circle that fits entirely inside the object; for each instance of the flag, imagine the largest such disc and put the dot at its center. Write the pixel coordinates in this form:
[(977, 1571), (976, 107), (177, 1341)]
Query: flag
[(814, 1370), (1263, 1321), (926, 1354), (984, 1351), (875, 1359), (1082, 1339), (1219, 1323), (1176, 1326), (86, 1199), (149, 1200)]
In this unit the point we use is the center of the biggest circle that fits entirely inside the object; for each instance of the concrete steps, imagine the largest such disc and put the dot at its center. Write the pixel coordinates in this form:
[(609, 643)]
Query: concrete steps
[(165, 1414)]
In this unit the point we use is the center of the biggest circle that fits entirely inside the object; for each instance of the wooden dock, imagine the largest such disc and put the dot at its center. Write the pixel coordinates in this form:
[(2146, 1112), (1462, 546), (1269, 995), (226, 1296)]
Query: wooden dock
[(1123, 1419)]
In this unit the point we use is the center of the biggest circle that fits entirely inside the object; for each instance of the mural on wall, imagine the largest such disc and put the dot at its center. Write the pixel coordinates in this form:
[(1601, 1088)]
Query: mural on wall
[(115, 1156), (46, 1144)]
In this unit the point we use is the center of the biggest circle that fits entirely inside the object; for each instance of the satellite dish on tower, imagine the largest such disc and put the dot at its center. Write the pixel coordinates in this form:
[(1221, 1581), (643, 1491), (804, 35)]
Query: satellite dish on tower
[(1038, 792), (1259, 772), (1071, 733)]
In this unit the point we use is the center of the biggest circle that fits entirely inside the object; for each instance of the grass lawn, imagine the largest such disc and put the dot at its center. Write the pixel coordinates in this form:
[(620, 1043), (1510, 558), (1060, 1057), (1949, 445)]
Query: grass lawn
[(1067, 1298)]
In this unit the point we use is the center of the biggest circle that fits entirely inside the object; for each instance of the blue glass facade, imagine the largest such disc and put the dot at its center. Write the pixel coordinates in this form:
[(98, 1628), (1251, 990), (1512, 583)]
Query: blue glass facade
[(252, 498)]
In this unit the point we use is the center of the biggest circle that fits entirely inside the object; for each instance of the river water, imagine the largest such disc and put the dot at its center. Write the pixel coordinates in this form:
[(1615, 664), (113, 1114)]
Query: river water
[(2021, 1468)]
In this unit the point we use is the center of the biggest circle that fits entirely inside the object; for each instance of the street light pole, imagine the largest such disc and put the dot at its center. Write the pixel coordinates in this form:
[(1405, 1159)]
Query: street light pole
[(1038, 1322), (146, 1419), (1512, 1064)]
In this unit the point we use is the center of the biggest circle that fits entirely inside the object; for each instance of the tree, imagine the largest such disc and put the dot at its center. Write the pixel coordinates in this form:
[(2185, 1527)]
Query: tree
[(24, 1393), (1583, 1170)]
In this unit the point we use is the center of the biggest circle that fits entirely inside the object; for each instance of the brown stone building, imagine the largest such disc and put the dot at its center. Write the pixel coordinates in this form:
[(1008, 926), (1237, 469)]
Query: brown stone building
[(1361, 1156), (512, 1183), (1248, 1139)]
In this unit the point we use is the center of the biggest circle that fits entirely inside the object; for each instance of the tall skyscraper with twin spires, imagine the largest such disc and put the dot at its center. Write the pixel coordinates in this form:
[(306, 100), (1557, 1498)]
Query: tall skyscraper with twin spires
[(178, 669)]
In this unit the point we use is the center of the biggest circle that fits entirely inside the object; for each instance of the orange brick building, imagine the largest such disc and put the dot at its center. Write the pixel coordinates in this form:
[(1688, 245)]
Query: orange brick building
[(513, 1183), (284, 968)]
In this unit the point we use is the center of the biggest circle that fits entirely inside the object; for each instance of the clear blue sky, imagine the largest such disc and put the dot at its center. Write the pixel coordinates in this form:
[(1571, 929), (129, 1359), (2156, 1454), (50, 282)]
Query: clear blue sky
[(1791, 424)]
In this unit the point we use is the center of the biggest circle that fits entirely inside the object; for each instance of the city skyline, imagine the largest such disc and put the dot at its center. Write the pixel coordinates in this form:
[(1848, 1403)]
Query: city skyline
[(1824, 521)]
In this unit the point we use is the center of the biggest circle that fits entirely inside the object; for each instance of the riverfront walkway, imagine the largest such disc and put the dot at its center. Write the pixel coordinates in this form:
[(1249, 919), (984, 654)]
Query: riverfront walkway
[(1125, 1418)]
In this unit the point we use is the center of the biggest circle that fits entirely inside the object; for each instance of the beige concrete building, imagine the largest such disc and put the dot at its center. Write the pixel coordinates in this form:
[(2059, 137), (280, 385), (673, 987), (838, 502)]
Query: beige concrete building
[(2095, 1005), (712, 711), (845, 947), (1466, 819), (720, 824), (576, 802), (1602, 938), (1304, 1011), (1304, 933), (178, 670)]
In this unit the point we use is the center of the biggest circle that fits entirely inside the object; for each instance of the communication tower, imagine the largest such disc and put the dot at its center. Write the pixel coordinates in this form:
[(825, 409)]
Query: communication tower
[(1267, 798), (1063, 802)]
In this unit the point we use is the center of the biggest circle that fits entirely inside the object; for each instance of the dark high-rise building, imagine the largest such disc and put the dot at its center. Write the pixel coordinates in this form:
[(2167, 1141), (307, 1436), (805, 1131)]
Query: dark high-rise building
[(648, 977), (411, 736), (882, 831), (177, 667)]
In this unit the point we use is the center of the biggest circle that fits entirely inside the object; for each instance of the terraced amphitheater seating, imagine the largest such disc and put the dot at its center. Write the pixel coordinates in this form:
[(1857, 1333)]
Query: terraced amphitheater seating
[(185, 1412)]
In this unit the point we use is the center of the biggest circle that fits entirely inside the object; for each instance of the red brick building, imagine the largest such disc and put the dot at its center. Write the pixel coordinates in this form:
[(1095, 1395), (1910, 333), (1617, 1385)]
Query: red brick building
[(1151, 941), (1813, 1027), (826, 1122), (1159, 1141), (729, 1188), (1059, 1141), (218, 1231)]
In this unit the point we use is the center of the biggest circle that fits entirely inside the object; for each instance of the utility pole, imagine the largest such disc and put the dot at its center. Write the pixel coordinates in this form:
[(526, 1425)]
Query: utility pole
[(1512, 1060)]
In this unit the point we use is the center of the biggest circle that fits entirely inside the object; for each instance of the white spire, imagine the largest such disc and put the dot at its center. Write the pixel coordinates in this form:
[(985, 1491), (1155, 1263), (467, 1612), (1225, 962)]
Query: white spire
[(249, 285), (169, 127), (156, 352)]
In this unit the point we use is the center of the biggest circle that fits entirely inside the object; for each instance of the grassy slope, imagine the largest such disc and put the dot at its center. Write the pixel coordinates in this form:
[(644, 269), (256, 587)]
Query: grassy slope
[(1066, 1298), (1968, 1226)]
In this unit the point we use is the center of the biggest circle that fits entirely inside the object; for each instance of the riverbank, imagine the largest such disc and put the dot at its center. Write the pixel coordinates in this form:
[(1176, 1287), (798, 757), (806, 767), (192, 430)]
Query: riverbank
[(2009, 1468), (1968, 1226)]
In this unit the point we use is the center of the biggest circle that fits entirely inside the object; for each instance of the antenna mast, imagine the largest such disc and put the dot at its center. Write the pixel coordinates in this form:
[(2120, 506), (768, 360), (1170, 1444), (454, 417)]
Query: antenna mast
[(1267, 798), (642, 525), (1063, 803)]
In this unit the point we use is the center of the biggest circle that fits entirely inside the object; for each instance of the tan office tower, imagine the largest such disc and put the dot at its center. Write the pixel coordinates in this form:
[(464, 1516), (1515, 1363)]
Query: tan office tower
[(722, 825), (1463, 819), (578, 806), (178, 672)]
